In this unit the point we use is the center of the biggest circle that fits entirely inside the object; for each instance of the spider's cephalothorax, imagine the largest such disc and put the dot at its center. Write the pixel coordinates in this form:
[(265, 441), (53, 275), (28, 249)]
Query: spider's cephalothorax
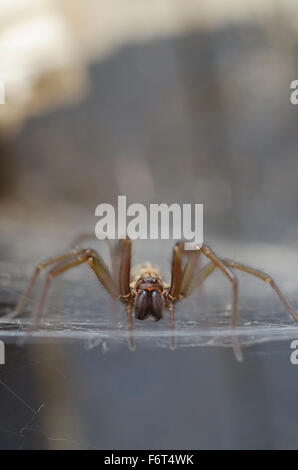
[(149, 300)]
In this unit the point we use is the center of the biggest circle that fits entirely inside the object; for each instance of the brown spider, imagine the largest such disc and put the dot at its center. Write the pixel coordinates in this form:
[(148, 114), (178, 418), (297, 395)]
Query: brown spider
[(143, 288)]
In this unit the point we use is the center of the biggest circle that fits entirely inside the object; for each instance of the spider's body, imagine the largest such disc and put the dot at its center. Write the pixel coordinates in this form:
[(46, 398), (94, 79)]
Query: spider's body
[(143, 288)]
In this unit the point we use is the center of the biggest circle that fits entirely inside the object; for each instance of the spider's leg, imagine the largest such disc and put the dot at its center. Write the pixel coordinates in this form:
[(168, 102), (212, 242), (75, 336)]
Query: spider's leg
[(81, 238), (230, 275), (124, 250), (60, 268), (115, 252), (91, 236), (37, 270), (88, 236), (114, 249), (125, 266), (172, 325), (131, 341), (192, 279), (175, 287), (102, 272), (180, 281), (265, 277), (190, 272), (199, 277), (176, 273), (97, 265), (233, 279)]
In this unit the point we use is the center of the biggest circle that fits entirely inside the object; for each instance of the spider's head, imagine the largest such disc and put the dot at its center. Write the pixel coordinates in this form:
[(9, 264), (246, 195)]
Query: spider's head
[(149, 300)]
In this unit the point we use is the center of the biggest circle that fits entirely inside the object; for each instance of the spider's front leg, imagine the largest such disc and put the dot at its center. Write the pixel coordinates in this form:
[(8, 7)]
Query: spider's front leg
[(124, 249), (180, 281), (173, 293)]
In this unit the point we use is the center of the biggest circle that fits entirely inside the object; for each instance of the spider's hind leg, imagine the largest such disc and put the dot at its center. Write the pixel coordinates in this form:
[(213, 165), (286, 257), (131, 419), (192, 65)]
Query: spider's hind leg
[(205, 272), (40, 267), (265, 277), (229, 274), (97, 265)]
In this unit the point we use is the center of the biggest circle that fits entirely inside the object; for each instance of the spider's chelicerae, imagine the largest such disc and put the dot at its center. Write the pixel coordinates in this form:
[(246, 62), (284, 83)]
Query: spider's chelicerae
[(142, 288)]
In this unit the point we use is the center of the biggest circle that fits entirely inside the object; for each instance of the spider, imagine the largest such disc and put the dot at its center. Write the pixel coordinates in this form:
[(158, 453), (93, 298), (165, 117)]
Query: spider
[(142, 288)]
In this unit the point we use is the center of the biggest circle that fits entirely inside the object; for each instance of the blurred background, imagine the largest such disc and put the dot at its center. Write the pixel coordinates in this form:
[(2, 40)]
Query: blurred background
[(163, 101)]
